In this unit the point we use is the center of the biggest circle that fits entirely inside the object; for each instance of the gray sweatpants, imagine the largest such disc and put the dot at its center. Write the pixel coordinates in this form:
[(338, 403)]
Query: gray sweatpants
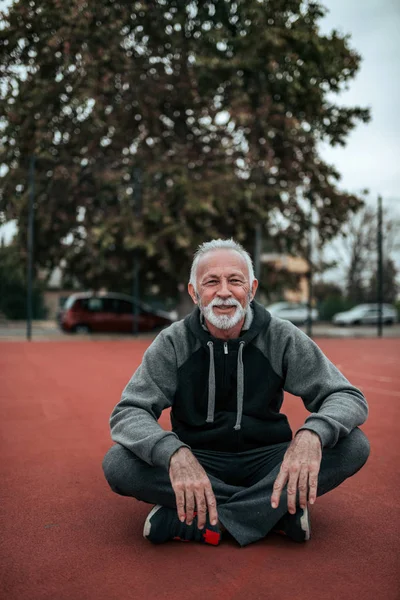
[(242, 482)]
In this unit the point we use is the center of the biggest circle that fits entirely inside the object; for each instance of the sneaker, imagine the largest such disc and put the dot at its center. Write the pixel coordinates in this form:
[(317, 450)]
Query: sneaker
[(296, 526), (162, 524)]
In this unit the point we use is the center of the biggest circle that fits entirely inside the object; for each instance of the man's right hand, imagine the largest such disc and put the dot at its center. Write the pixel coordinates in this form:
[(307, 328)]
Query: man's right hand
[(192, 489)]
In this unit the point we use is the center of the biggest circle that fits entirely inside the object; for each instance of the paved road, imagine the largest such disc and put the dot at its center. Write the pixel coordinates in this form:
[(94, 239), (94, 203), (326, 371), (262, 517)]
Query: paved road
[(48, 330)]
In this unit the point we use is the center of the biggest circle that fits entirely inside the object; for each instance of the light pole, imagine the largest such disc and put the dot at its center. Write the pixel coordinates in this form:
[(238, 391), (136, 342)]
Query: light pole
[(29, 296), (310, 273), (257, 250), (137, 209), (379, 278)]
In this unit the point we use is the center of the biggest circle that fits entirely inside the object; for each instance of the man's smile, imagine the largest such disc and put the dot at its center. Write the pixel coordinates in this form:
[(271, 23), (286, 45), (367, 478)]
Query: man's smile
[(224, 308)]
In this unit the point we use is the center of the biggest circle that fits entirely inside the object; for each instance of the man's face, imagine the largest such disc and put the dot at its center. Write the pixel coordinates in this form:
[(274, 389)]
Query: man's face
[(223, 288)]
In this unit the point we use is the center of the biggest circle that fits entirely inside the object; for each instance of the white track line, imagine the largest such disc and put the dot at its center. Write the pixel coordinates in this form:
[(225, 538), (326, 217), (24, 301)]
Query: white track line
[(380, 391), (381, 378), (367, 376)]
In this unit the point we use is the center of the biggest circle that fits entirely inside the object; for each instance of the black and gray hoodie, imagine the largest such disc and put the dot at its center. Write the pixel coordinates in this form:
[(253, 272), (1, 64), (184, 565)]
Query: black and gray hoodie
[(227, 395)]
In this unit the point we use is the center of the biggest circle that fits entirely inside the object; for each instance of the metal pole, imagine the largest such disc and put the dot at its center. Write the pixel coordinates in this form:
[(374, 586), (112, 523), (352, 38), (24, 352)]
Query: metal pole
[(310, 275), (257, 250), (379, 278), (29, 311), (136, 294), (137, 209)]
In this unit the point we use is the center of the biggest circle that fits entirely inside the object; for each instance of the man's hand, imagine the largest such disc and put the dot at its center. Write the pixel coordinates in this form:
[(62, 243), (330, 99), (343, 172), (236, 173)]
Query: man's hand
[(192, 489), (299, 469)]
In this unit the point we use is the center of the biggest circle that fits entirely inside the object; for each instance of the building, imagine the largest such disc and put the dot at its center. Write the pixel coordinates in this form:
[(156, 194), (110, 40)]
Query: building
[(292, 264)]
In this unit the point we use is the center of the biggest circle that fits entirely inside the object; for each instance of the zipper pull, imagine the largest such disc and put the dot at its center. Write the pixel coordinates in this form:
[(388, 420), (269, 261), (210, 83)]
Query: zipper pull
[(225, 347)]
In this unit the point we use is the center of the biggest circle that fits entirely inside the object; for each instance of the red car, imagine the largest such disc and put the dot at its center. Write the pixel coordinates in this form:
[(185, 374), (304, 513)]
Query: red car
[(88, 312)]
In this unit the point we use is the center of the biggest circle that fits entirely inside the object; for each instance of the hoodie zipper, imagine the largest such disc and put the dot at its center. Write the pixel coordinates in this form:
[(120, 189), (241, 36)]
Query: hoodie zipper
[(226, 351), (225, 367), (225, 383)]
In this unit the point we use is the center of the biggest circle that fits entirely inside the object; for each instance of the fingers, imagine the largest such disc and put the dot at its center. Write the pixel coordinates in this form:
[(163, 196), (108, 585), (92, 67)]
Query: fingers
[(299, 470), (294, 472), (279, 484), (190, 504), (211, 505), (303, 487), (180, 504), (313, 482), (205, 500), (201, 508), (303, 478), (185, 505), (296, 477), (192, 487)]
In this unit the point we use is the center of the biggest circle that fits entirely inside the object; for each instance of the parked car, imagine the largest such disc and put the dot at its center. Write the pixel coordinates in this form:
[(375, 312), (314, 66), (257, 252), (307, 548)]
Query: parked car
[(297, 313), (108, 312), (366, 314)]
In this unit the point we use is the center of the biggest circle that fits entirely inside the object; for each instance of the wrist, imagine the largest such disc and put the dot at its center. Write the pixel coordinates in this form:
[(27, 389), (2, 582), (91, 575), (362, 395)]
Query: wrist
[(178, 453), (309, 433)]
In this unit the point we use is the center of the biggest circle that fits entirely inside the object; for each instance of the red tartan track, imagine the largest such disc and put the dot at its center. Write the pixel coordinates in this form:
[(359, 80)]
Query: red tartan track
[(66, 536)]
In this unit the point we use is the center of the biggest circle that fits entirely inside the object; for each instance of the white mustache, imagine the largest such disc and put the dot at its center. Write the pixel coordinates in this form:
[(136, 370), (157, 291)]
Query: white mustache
[(227, 302)]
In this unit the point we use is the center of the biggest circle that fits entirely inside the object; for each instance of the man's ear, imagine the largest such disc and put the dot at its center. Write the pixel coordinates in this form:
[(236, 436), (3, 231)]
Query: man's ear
[(192, 293), (254, 288)]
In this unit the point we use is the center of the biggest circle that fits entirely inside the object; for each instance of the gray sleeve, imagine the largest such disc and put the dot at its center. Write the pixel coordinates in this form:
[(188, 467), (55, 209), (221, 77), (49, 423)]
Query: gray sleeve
[(150, 390), (336, 406)]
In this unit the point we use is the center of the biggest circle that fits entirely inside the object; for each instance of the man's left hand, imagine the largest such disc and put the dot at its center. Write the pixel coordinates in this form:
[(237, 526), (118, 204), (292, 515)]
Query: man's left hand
[(299, 469)]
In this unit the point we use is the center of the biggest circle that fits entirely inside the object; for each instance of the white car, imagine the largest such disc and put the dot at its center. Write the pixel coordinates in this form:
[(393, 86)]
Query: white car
[(366, 314), (297, 313)]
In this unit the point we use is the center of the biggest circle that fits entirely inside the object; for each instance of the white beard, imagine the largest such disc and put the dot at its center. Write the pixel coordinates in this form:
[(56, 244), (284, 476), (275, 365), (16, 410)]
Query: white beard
[(223, 321)]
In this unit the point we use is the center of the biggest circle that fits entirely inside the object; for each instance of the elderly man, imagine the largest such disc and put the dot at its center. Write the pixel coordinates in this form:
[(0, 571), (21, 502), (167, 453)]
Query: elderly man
[(230, 463)]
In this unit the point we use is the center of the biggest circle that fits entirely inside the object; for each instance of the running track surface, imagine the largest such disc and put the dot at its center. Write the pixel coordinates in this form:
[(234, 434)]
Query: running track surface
[(66, 536)]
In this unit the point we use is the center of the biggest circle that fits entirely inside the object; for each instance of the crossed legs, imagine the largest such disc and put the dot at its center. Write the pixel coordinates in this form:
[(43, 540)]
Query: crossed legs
[(242, 483)]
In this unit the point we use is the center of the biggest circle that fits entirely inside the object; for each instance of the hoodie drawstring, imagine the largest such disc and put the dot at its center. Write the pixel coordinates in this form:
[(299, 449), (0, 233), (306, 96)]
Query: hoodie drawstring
[(240, 387), (211, 386)]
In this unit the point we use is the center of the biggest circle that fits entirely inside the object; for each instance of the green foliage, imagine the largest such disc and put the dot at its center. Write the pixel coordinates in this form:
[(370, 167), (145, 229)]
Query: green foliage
[(333, 304), (390, 287), (220, 105), (329, 299), (13, 294), (323, 289), (397, 305)]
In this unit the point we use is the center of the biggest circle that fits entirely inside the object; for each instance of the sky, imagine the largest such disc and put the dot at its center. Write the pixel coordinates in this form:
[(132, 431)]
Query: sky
[(371, 158)]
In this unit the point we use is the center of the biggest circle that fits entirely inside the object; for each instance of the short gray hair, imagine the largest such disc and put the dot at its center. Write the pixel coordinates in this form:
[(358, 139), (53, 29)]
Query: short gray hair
[(220, 245)]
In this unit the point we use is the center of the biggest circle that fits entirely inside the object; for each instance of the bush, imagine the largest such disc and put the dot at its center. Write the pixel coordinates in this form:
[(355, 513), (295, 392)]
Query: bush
[(13, 293), (13, 301), (331, 305), (397, 307)]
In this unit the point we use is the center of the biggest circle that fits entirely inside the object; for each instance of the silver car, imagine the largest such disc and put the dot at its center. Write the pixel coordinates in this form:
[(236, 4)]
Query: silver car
[(366, 314), (296, 312)]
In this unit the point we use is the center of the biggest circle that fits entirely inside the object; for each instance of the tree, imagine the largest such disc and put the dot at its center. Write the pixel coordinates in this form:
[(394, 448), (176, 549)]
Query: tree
[(330, 299), (390, 286), (356, 247), (219, 105), (275, 281), (359, 246), (326, 289)]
